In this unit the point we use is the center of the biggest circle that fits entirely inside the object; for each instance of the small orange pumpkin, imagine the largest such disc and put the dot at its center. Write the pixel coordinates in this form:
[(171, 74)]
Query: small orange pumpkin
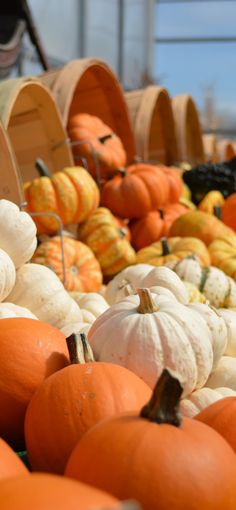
[(10, 463), (229, 211), (200, 224), (221, 416)]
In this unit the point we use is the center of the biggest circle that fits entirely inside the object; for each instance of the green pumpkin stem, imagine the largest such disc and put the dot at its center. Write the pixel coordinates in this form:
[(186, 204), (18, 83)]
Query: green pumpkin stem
[(218, 212), (42, 168), (147, 303), (79, 349), (163, 406), (165, 246)]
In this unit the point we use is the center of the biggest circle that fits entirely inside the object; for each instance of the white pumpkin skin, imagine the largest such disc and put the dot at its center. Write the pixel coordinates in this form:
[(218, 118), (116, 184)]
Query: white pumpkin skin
[(9, 310), (224, 374), (40, 290), (7, 275), (174, 337), (76, 328), (165, 277), (200, 399), (229, 317), (91, 305), (18, 233), (132, 275)]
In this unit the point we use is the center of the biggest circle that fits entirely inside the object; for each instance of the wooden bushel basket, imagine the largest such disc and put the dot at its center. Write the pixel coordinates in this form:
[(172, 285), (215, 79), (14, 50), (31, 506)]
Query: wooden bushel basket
[(188, 130), (31, 118), (153, 123), (10, 180), (90, 86), (226, 149), (210, 148)]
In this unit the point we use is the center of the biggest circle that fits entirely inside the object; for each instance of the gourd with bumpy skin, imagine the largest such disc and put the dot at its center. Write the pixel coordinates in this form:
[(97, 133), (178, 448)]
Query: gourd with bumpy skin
[(219, 289), (146, 333), (7, 275), (201, 399), (17, 233), (40, 290)]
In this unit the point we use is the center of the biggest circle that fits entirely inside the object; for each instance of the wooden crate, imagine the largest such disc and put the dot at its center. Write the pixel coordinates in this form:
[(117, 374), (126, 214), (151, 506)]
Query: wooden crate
[(11, 187), (188, 130)]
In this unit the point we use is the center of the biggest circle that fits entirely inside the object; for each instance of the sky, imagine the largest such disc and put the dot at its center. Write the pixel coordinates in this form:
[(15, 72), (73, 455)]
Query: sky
[(190, 68)]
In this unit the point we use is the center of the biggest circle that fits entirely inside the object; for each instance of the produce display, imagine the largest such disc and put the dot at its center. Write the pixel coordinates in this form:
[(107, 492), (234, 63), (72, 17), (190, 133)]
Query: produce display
[(118, 328)]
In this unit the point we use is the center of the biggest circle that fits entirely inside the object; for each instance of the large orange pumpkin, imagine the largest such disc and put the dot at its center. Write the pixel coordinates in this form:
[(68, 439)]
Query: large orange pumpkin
[(200, 224), (154, 225), (97, 142), (161, 461), (72, 194), (82, 269), (41, 491), (30, 351), (175, 182), (136, 191), (10, 463), (229, 211), (173, 248), (221, 416), (72, 401)]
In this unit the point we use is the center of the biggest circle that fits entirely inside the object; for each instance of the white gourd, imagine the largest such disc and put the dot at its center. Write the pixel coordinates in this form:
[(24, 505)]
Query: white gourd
[(91, 305), (7, 275), (229, 317), (165, 277), (224, 374), (40, 290), (131, 276), (18, 233), (9, 310), (75, 328), (200, 399)]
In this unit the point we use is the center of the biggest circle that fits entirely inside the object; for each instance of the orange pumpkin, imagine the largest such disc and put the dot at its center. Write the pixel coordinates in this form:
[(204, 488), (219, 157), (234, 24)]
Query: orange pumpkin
[(173, 248), (175, 182), (30, 351), (72, 401), (157, 458), (10, 463), (82, 269), (72, 194), (97, 142), (229, 211), (199, 224), (154, 225), (40, 491), (221, 416), (136, 191)]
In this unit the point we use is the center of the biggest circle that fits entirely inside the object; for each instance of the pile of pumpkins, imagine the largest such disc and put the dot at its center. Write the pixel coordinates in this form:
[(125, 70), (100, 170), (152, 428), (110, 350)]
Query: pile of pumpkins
[(117, 370)]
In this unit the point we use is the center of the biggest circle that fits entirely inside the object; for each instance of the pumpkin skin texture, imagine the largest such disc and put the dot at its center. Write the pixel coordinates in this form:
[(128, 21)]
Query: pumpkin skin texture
[(91, 304), (211, 200), (200, 224), (71, 402), (228, 211), (185, 460), (229, 317), (42, 491), (107, 241), (83, 272), (179, 249), (168, 335), (175, 182), (221, 416), (10, 463), (203, 398), (223, 255), (7, 275), (103, 143), (30, 350), (136, 191), (224, 374), (72, 194), (9, 310), (18, 233)]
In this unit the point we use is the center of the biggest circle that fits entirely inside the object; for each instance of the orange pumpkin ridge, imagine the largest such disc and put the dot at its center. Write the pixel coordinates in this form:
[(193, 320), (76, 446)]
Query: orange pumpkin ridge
[(221, 416)]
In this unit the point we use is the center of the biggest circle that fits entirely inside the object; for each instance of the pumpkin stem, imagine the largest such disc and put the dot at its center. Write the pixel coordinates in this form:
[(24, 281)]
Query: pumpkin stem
[(42, 168), (104, 138), (147, 304), (218, 212), (165, 246), (130, 290), (163, 406), (122, 232), (162, 216), (79, 349)]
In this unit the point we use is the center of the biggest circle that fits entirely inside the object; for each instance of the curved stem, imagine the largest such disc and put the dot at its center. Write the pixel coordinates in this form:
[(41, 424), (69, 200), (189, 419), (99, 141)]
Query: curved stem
[(165, 246), (162, 216), (103, 139), (79, 349), (147, 304), (163, 407), (42, 168), (218, 211)]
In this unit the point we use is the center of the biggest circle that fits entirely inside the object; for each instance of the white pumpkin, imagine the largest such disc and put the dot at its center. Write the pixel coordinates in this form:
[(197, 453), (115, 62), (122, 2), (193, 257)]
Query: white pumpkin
[(9, 310), (165, 277), (7, 275), (218, 288), (229, 317), (91, 305), (194, 295), (224, 374), (17, 233), (146, 333), (76, 328), (131, 276), (200, 399), (40, 290)]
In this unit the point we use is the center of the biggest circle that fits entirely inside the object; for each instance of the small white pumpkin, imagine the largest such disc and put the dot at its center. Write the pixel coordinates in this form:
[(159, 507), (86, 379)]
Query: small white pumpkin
[(146, 333), (40, 290), (132, 275), (7, 275), (75, 328), (9, 310), (200, 399), (229, 317), (91, 305), (165, 277), (224, 374), (17, 233)]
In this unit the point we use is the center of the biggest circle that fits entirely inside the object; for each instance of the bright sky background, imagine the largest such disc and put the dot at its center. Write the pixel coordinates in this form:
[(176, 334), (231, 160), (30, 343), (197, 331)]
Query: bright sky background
[(183, 68)]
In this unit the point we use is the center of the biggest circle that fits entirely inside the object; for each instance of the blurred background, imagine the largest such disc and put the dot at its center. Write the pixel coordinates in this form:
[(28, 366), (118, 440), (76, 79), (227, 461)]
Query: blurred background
[(187, 46)]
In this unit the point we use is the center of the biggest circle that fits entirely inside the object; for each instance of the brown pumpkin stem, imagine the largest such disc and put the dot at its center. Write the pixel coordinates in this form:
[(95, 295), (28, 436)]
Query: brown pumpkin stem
[(42, 168), (104, 138), (163, 406), (218, 212), (165, 246), (147, 304), (122, 232), (79, 349), (162, 216)]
